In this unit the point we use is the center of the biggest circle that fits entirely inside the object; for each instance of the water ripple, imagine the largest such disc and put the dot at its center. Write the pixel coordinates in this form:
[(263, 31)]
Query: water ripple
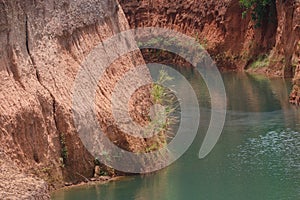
[(277, 154)]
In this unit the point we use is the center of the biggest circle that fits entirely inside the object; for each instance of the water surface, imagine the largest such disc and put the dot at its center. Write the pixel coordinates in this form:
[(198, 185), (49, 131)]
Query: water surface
[(257, 156)]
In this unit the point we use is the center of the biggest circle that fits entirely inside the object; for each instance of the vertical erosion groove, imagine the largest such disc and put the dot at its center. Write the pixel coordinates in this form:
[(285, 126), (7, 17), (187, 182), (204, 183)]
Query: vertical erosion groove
[(27, 39)]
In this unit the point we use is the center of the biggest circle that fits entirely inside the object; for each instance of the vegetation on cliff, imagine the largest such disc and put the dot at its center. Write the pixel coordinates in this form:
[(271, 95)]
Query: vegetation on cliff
[(260, 10)]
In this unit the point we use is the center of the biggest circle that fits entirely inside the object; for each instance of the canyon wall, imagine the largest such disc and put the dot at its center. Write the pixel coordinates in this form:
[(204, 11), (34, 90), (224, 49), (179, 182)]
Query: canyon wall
[(43, 44)]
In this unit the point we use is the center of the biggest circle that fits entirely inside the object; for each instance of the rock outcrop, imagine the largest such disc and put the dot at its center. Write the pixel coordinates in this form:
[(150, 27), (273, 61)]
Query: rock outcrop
[(288, 44), (285, 54)]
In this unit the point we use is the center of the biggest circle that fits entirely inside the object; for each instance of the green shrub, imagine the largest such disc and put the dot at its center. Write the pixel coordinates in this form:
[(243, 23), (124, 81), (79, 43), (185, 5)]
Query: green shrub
[(260, 10), (64, 150), (163, 119)]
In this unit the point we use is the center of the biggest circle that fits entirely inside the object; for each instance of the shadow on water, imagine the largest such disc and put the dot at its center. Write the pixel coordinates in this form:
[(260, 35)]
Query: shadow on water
[(257, 156)]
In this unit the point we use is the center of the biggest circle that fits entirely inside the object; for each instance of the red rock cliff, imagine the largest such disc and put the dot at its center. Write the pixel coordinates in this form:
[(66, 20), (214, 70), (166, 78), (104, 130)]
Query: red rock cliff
[(42, 46), (218, 25)]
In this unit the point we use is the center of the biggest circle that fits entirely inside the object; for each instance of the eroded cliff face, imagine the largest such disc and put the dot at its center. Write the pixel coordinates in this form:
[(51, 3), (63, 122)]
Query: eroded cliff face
[(288, 44), (285, 54), (17, 185), (43, 44), (217, 25)]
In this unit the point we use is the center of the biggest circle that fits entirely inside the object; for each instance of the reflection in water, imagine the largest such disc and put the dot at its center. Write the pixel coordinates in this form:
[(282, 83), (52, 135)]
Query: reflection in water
[(257, 156), (159, 184)]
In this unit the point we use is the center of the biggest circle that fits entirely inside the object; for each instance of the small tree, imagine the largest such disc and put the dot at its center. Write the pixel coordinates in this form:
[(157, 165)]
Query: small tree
[(260, 10)]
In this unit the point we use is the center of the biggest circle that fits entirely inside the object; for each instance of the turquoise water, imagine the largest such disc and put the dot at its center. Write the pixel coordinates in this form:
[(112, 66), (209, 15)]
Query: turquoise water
[(257, 156)]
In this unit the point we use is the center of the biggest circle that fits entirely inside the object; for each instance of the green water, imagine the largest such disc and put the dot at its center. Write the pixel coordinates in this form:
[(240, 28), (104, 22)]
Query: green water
[(256, 158)]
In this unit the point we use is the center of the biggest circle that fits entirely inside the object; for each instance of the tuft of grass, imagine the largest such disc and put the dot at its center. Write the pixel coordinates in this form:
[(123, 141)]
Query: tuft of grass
[(262, 61), (158, 92)]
